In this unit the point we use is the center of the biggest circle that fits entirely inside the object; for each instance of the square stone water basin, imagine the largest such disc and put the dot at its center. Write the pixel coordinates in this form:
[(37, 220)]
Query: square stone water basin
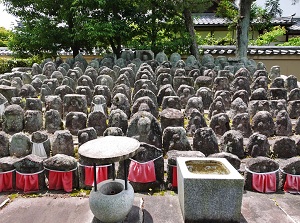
[(209, 190)]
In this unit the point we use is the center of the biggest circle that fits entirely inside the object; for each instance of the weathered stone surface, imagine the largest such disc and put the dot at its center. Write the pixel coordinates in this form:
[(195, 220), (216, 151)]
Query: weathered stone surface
[(7, 163), (216, 107), (260, 165), (193, 103), (206, 95), (171, 102), (20, 145), (241, 122), (8, 91), (174, 138), (263, 123), (203, 81), (103, 90), (97, 120), (60, 162), (205, 141), (232, 142), (294, 109), (113, 131), (165, 90), (74, 103), (237, 106), (196, 121), (240, 83), (294, 95), (258, 145), (145, 104), (76, 121), (118, 118), (120, 101), (54, 102), (86, 134), (33, 104), (122, 89), (53, 121), (244, 95), (62, 143), (284, 147), (283, 124), (291, 83), (13, 119), (144, 127), (220, 123), (33, 120), (4, 144), (171, 117), (259, 94), (277, 93)]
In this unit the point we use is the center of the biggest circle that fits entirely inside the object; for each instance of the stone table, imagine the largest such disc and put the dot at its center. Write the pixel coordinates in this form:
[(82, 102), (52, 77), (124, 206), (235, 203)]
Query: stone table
[(109, 149)]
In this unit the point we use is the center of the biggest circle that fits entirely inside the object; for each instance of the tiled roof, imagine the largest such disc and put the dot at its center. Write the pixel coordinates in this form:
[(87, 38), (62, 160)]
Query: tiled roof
[(295, 27), (253, 50), (210, 19)]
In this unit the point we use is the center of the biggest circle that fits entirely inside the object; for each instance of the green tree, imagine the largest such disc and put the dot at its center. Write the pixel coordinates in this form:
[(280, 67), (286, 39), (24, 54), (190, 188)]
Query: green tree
[(4, 36), (47, 26)]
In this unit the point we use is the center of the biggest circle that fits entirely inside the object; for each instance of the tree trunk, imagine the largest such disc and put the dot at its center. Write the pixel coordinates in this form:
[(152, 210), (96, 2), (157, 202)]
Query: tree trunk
[(190, 28), (75, 50), (116, 47), (243, 28)]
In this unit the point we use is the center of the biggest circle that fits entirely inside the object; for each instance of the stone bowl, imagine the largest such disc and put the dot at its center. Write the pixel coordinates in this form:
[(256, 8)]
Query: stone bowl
[(111, 202)]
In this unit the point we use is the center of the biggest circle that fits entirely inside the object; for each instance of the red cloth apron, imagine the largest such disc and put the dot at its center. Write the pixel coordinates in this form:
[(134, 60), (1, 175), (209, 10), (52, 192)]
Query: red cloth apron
[(264, 183), (27, 182), (142, 172), (292, 183), (61, 180), (101, 173), (6, 181), (174, 176)]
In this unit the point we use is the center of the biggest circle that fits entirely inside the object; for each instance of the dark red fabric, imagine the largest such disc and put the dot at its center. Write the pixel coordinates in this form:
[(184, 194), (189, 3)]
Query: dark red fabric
[(292, 183), (265, 183), (101, 173), (142, 172), (6, 181), (174, 176), (60, 180), (27, 183)]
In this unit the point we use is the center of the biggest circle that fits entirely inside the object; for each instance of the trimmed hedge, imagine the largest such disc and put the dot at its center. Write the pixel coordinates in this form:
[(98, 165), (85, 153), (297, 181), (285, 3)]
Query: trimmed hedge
[(7, 64)]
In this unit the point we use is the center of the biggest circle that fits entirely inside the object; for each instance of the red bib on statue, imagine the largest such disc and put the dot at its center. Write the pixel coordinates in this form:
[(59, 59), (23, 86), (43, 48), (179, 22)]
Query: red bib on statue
[(101, 173), (264, 183), (142, 172), (292, 183), (6, 181), (60, 180), (27, 183), (174, 176)]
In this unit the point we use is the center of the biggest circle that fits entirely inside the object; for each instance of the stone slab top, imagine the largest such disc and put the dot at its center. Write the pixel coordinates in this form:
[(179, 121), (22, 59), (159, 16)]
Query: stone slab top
[(109, 149)]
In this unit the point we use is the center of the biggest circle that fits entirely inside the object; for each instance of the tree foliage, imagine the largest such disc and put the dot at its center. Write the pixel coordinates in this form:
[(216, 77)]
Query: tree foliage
[(269, 37), (4, 36)]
